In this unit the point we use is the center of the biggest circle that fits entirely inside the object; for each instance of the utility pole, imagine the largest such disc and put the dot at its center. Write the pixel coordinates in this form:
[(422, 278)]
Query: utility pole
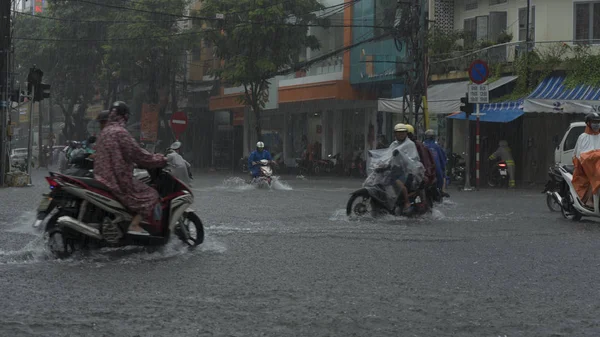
[(410, 32), (5, 105), (527, 39)]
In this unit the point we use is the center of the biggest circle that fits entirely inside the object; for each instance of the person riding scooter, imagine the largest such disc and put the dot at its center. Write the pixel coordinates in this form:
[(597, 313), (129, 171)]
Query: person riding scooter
[(406, 146), (255, 157), (116, 154), (425, 157), (504, 153), (585, 175), (180, 168), (439, 157)]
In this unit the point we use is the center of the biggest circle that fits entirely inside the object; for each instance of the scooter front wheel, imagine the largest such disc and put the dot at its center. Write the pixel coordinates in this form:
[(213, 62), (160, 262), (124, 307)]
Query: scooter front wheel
[(190, 229)]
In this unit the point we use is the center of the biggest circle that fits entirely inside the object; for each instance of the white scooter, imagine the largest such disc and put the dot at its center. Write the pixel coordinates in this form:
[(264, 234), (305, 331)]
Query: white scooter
[(571, 206), (265, 178)]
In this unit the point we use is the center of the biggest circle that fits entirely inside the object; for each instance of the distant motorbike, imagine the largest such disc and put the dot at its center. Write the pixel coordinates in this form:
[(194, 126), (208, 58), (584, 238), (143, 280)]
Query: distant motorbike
[(498, 176), (457, 169), (265, 178), (553, 186), (377, 196)]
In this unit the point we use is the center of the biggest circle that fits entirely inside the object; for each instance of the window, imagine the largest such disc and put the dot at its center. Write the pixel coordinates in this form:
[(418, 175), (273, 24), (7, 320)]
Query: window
[(470, 4), (470, 29), (587, 21), (572, 138), (196, 51), (476, 29), (523, 24), (497, 2), (385, 14)]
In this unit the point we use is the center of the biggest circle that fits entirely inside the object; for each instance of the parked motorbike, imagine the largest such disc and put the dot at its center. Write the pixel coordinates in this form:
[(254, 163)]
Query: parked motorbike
[(356, 166), (457, 169), (571, 206), (553, 185), (84, 214), (498, 176), (265, 178), (379, 195)]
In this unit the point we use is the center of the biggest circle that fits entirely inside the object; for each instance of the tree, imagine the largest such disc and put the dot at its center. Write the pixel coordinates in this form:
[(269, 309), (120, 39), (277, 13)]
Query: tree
[(158, 55), (255, 39)]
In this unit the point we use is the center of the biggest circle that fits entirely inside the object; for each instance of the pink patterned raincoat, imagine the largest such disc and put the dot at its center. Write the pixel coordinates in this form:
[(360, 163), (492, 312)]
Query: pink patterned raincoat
[(116, 152)]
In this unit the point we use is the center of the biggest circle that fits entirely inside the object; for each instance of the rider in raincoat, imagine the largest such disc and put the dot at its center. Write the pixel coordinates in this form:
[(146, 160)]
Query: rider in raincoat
[(116, 154), (407, 147), (425, 156), (504, 153), (439, 156), (586, 160), (255, 158), (180, 168)]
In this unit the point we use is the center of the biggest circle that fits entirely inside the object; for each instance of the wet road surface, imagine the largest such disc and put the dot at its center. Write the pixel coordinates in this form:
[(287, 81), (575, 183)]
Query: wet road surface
[(287, 262)]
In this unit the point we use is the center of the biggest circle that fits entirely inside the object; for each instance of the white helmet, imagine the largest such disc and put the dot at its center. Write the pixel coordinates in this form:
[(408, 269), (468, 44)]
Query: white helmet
[(400, 128), (260, 145)]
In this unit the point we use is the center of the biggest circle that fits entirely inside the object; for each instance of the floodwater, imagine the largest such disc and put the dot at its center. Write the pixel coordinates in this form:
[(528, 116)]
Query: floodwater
[(288, 261)]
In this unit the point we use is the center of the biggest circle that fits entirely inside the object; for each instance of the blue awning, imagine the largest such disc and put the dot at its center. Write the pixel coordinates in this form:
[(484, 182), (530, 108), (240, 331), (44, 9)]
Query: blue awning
[(503, 112), (552, 96), (553, 88)]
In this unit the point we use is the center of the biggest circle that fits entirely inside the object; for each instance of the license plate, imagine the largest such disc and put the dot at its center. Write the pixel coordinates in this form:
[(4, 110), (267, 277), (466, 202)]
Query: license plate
[(502, 172), (44, 205)]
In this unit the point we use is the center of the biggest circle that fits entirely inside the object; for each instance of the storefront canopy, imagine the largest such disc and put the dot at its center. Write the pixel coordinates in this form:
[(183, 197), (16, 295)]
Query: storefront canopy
[(496, 112), (442, 98), (553, 96)]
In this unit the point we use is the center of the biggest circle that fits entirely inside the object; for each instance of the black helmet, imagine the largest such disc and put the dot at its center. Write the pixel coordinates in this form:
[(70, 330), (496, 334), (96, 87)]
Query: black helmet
[(121, 108), (102, 116), (594, 116)]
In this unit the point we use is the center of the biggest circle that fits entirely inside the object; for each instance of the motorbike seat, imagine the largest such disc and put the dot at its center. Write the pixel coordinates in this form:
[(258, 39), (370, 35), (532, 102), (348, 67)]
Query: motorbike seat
[(569, 168), (91, 182)]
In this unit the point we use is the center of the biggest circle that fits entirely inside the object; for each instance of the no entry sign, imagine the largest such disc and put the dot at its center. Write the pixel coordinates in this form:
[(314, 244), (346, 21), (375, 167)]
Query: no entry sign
[(179, 123)]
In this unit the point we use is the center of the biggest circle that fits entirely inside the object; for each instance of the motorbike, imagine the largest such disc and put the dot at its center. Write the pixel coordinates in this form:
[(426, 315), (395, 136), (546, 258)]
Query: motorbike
[(86, 215), (79, 169), (571, 206), (498, 176), (457, 169), (379, 195), (553, 185), (265, 178)]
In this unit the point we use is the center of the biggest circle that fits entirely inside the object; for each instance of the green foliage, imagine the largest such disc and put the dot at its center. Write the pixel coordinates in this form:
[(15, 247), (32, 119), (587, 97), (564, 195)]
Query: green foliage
[(583, 67), (257, 38), (86, 49), (441, 43), (504, 37)]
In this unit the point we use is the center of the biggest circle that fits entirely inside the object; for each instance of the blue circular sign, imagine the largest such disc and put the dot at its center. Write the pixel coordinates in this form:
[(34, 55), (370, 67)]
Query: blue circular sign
[(479, 72)]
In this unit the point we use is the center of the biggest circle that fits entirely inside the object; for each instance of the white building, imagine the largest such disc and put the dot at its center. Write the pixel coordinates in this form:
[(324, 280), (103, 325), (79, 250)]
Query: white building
[(550, 20)]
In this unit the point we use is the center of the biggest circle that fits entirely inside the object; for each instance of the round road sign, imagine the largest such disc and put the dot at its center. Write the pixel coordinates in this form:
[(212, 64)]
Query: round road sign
[(479, 72), (179, 122)]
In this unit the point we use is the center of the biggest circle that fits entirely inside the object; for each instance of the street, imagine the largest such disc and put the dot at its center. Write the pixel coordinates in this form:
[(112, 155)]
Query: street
[(288, 262)]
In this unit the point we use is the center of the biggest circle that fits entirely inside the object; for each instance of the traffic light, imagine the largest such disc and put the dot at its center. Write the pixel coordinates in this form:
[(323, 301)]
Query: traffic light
[(41, 91), (467, 108), (34, 79)]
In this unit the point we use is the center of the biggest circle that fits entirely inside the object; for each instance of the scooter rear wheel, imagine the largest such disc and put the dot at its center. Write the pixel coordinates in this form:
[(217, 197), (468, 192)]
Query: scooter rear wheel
[(568, 211), (552, 204)]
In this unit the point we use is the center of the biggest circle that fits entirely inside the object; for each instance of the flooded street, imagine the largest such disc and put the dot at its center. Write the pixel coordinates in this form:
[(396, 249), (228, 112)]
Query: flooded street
[(287, 261)]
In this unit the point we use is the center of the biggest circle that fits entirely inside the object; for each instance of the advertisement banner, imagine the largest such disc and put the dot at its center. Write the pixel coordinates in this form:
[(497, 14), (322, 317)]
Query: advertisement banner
[(238, 118), (93, 110), (24, 113), (149, 123)]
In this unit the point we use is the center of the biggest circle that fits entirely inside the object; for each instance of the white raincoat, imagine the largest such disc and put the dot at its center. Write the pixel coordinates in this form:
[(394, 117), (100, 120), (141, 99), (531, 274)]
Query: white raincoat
[(179, 167)]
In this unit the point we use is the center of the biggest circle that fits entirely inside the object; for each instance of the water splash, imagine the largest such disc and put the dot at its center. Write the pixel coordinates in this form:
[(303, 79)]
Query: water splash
[(24, 224), (36, 252), (280, 185), (236, 184)]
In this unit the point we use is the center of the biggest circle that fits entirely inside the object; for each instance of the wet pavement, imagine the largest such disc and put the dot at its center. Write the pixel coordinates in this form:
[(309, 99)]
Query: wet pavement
[(287, 262)]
